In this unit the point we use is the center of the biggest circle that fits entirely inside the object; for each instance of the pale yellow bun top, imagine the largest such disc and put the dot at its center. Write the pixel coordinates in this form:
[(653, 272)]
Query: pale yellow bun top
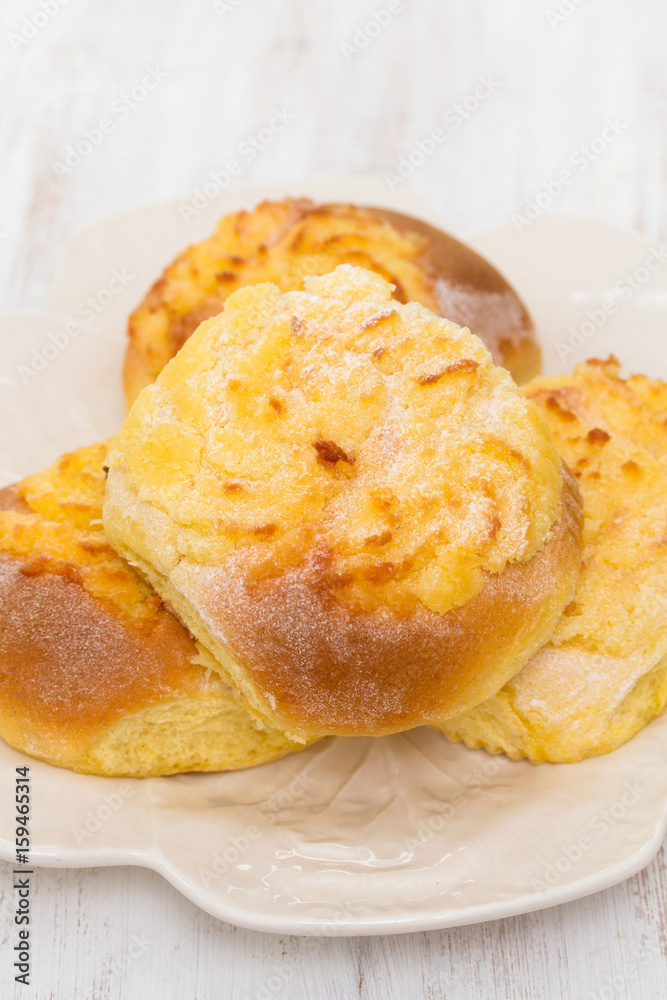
[(351, 507), (604, 674), (95, 674), (287, 241)]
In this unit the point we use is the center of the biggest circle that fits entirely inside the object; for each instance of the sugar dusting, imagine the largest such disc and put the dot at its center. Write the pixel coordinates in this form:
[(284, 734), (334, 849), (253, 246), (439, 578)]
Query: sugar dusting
[(613, 432), (397, 514), (497, 317), (285, 242), (71, 662), (573, 693), (342, 671), (453, 468)]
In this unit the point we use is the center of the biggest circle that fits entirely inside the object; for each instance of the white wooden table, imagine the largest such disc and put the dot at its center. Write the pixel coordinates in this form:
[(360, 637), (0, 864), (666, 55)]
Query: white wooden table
[(360, 95)]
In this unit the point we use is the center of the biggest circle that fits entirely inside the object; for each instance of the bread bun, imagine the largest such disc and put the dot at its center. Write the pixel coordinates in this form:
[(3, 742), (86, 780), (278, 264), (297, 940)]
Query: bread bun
[(95, 674), (286, 241), (349, 505), (603, 675)]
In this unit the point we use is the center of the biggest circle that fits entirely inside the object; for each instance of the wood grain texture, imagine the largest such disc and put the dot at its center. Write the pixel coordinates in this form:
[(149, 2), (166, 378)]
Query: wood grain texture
[(554, 86), (91, 924)]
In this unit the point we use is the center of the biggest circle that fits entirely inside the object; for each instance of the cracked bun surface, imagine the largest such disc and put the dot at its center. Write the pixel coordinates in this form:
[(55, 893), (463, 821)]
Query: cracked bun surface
[(287, 241), (95, 674), (357, 514), (603, 675)]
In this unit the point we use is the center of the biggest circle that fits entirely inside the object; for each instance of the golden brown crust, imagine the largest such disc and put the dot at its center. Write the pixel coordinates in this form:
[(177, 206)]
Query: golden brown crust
[(54, 640), (11, 499), (424, 263), (472, 293), (58, 645), (603, 674), (333, 670), (84, 677), (388, 545)]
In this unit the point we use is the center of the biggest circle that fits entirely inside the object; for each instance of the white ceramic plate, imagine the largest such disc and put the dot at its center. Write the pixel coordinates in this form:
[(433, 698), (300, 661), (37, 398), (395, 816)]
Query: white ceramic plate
[(349, 837)]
